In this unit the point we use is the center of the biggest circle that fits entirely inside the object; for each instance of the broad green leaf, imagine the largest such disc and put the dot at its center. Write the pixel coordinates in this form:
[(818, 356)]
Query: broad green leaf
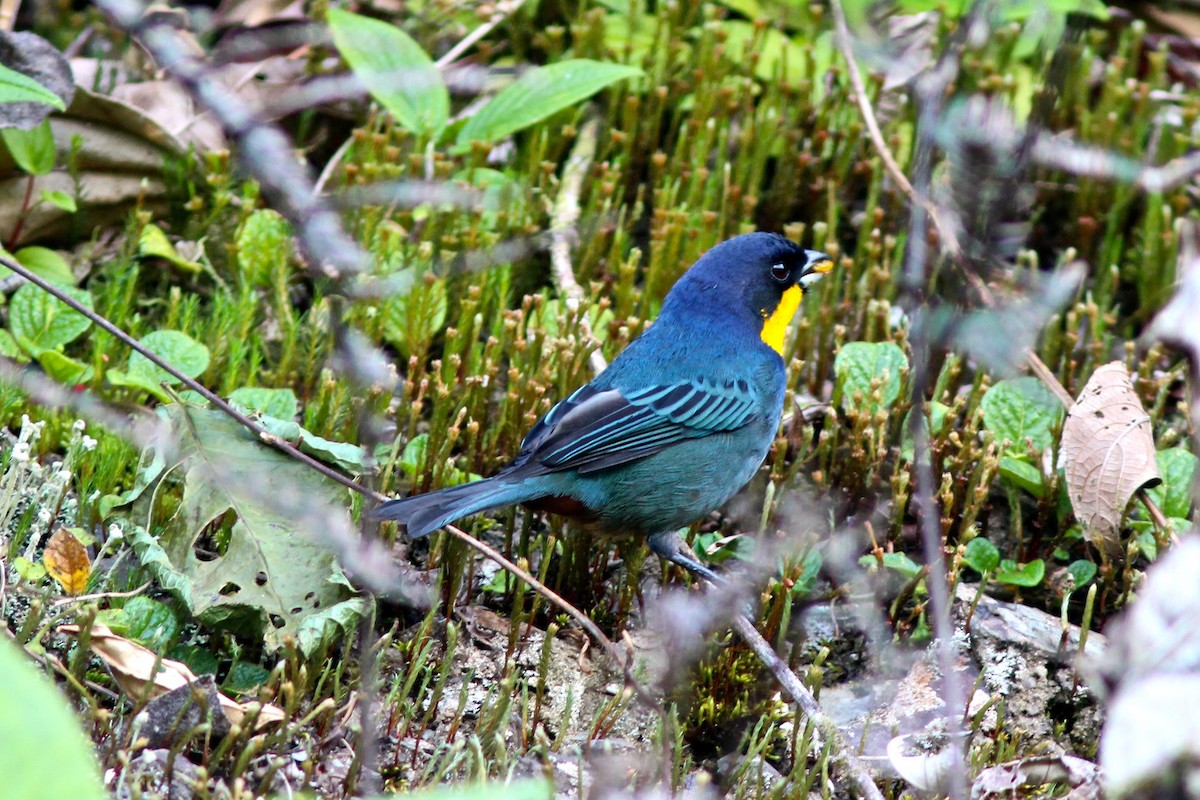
[(65, 369), (900, 562), (394, 69), (33, 150), (277, 403), (10, 349), (198, 659), (153, 243), (538, 94), (1015, 574), (1019, 409), (45, 754), (17, 87), (45, 263), (345, 456), (859, 363), (1177, 466), (1023, 475), (244, 678), (150, 623), (176, 348), (152, 556), (40, 321), (1082, 571), (981, 555), (60, 200)]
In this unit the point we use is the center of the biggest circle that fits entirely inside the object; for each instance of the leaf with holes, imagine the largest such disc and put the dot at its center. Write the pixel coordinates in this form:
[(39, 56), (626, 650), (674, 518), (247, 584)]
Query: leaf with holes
[(1107, 454), (252, 534)]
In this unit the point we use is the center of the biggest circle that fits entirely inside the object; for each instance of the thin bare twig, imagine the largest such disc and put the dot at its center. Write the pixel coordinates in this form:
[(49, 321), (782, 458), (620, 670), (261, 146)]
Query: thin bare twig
[(574, 613), (562, 231), (804, 699), (858, 86), (87, 598)]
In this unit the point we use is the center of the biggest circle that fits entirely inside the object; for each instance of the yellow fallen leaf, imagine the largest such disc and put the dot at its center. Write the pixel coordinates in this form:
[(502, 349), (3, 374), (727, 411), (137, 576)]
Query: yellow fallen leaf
[(67, 561), (133, 667)]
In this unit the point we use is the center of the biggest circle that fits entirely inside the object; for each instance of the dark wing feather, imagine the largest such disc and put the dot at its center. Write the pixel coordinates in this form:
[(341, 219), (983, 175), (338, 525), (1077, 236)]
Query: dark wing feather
[(594, 429)]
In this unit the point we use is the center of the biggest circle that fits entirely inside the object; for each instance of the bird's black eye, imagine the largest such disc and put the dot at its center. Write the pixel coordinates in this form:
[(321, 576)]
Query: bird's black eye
[(781, 272)]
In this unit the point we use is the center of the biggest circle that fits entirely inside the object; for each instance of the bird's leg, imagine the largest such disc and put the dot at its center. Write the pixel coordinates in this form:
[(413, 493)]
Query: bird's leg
[(669, 546)]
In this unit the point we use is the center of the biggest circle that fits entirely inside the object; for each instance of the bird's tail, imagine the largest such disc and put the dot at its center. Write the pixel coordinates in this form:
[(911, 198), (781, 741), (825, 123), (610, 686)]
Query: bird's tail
[(425, 513)]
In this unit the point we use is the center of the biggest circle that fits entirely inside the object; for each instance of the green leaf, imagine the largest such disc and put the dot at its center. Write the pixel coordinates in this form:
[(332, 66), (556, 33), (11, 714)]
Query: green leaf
[(394, 69), (981, 555), (810, 571), (1177, 467), (1027, 575), (900, 562), (276, 517), (412, 458), (1023, 475), (10, 349), (36, 722), (43, 262), (1019, 409), (1082, 571), (17, 87), (245, 677), (538, 94), (152, 556), (65, 369), (176, 348), (33, 150), (153, 243), (60, 200), (278, 403), (345, 456), (151, 623), (199, 660), (859, 363), (40, 321)]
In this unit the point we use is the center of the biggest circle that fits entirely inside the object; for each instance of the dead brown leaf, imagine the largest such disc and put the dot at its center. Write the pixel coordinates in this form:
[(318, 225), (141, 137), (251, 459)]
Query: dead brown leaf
[(67, 561), (1108, 455), (142, 673)]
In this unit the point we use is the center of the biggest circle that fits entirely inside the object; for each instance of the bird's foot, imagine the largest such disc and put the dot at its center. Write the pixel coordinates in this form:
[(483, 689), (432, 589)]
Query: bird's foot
[(668, 545)]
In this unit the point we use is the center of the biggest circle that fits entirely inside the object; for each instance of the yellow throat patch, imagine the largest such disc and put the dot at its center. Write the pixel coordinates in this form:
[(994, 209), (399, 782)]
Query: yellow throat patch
[(775, 323)]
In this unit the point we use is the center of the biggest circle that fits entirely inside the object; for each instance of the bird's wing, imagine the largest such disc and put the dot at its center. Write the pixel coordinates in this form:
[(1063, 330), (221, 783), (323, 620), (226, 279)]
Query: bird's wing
[(594, 429)]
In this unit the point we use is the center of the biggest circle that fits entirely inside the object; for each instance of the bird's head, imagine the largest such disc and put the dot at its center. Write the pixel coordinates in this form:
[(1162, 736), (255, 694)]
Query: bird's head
[(758, 277)]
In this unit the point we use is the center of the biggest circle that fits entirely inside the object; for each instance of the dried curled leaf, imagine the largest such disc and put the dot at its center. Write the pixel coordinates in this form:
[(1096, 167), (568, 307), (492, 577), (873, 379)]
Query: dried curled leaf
[(143, 673), (1108, 455), (67, 561)]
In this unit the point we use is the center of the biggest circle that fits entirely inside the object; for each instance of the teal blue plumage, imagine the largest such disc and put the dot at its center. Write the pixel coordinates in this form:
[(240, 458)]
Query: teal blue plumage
[(677, 424)]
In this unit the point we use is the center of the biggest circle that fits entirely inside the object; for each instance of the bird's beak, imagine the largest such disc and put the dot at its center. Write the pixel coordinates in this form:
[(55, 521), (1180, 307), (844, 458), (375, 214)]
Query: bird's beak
[(818, 264)]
